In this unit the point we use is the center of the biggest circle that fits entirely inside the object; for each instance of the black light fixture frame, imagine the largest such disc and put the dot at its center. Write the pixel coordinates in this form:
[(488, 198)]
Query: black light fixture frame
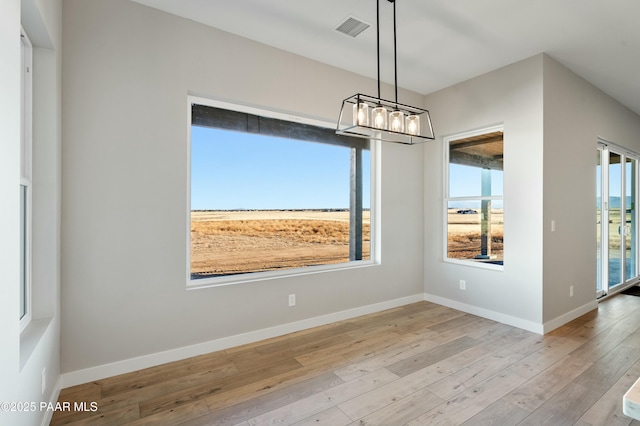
[(370, 132)]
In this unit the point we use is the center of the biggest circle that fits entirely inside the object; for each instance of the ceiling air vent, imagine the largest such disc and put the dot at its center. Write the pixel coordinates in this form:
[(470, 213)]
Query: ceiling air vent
[(352, 26)]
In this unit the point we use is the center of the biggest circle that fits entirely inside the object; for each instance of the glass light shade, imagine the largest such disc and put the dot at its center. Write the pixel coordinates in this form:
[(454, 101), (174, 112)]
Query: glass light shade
[(379, 117), (361, 114), (405, 124), (396, 121), (413, 124)]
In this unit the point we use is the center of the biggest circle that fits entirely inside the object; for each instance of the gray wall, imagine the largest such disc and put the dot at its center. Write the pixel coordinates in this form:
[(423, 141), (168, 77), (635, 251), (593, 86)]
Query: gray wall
[(575, 115), (511, 96), (127, 72), (552, 120)]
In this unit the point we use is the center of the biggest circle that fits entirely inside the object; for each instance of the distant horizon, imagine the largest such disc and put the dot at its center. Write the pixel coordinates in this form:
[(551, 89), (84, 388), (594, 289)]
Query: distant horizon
[(615, 201), (236, 171), (323, 209)]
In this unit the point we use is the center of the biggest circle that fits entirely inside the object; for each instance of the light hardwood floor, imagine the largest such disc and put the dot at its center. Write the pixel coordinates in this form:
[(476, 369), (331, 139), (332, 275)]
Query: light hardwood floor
[(420, 364)]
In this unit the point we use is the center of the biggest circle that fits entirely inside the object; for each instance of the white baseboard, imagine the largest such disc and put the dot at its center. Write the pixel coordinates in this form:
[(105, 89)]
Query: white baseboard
[(511, 320), (55, 394), (569, 316), (128, 365), (486, 313)]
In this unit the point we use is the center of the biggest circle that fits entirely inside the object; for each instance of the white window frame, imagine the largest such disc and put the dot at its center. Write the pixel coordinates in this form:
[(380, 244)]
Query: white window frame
[(26, 134), (447, 198), (375, 251)]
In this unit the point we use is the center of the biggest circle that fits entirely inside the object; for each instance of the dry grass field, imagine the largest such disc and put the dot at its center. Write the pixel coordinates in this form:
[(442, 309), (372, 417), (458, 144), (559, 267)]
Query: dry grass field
[(232, 242), (464, 234)]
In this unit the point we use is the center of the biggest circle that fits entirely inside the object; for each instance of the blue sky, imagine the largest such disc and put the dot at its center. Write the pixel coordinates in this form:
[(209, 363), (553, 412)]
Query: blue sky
[(466, 181), (236, 171), (241, 171), (615, 185)]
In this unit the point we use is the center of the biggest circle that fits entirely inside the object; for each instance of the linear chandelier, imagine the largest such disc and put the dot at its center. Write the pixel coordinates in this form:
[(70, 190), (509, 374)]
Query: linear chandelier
[(369, 117)]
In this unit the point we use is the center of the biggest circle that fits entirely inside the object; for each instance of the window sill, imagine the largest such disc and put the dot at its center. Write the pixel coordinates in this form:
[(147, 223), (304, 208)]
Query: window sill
[(272, 275), (31, 336), (476, 264)]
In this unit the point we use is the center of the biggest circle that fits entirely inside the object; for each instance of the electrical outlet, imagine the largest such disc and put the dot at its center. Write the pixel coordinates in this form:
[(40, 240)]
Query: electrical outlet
[(292, 300), (44, 380), (570, 291), (463, 285)]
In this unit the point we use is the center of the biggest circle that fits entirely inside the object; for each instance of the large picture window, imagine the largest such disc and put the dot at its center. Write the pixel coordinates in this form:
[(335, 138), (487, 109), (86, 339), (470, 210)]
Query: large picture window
[(268, 194), (474, 197)]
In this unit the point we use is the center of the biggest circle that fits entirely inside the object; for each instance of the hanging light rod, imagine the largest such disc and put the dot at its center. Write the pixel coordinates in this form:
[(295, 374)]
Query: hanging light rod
[(376, 118)]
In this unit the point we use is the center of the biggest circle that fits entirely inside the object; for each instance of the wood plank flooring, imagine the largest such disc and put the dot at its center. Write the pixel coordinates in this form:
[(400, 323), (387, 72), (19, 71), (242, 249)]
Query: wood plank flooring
[(420, 364)]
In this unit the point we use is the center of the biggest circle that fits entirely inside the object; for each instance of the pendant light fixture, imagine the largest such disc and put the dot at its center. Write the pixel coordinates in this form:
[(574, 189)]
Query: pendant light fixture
[(375, 118)]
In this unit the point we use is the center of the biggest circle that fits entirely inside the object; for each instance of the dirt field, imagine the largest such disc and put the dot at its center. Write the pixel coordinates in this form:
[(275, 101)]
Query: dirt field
[(233, 242), (227, 242)]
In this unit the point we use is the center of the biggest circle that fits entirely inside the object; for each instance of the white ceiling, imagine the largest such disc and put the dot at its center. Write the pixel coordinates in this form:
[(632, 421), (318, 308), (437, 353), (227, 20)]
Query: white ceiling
[(443, 42)]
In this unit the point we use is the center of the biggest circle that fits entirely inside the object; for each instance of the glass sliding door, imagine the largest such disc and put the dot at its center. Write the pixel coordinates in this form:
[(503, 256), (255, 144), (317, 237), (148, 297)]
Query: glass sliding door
[(616, 233), (629, 225), (616, 218)]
